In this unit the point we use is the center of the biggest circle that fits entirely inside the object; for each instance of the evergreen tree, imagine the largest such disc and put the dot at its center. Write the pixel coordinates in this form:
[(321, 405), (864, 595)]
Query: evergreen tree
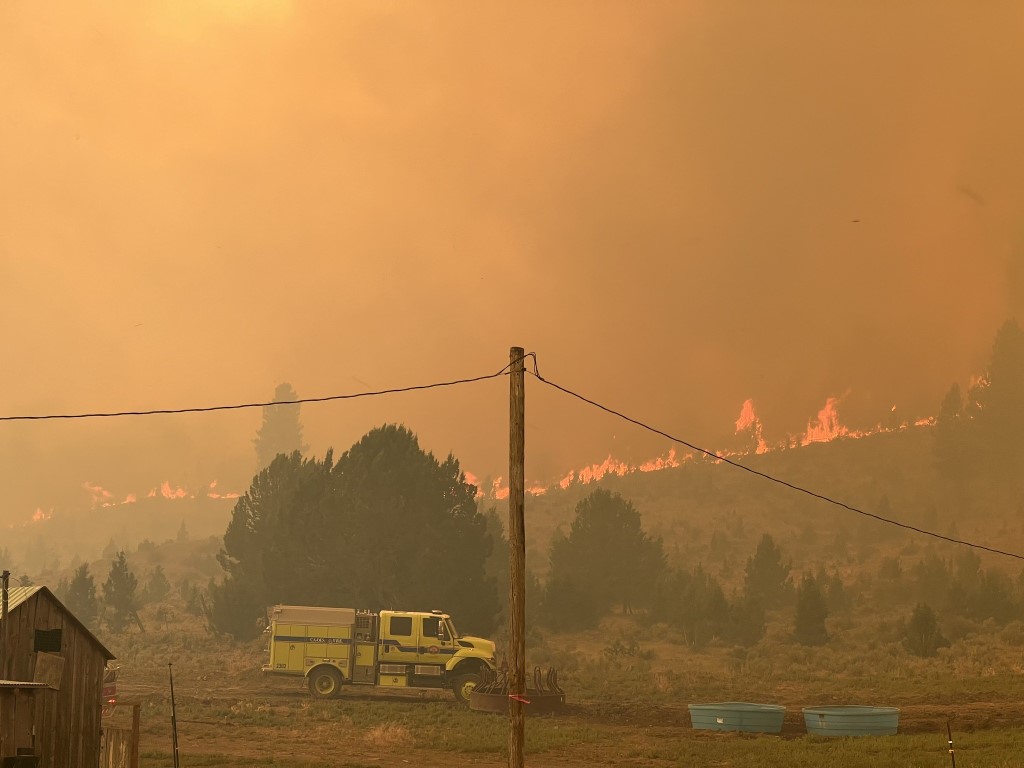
[(694, 603), (811, 612), (746, 620), (931, 578), (157, 586), (568, 605), (952, 450), (79, 596), (992, 598), (767, 576), (497, 566), (831, 585), (234, 608), (119, 596), (607, 554), (1000, 402), (386, 526), (921, 635), (281, 432)]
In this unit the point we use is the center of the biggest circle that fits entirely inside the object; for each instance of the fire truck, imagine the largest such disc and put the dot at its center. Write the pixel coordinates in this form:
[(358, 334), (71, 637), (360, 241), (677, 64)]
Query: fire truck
[(333, 647)]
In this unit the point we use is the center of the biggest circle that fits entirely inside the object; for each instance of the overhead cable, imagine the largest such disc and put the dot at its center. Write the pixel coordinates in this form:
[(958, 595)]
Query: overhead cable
[(239, 406)]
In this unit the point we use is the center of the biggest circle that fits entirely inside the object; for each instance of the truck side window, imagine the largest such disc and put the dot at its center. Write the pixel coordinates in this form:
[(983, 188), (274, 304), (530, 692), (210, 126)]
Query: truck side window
[(401, 625), (430, 626)]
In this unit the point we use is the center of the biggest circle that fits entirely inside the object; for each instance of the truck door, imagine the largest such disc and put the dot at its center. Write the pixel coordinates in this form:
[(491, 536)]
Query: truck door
[(433, 648), (399, 643)]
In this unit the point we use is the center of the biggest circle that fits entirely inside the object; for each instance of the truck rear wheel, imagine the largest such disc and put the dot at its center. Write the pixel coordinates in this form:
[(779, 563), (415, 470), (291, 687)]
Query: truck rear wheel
[(464, 685), (324, 683)]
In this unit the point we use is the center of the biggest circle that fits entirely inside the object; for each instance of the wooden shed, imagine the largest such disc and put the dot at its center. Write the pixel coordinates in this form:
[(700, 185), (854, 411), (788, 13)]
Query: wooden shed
[(58, 718)]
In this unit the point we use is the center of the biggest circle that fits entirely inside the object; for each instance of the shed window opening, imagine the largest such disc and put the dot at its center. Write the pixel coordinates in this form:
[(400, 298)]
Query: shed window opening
[(48, 640)]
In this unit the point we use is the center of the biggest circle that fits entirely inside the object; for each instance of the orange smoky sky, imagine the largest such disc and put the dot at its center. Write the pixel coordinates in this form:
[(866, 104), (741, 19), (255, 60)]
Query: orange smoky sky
[(676, 205)]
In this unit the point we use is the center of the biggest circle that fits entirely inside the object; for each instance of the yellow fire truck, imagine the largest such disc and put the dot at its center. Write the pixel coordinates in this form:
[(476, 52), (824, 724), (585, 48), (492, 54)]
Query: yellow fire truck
[(332, 647)]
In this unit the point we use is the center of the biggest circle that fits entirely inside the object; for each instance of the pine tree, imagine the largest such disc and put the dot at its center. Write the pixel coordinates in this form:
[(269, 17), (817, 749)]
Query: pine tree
[(386, 525), (608, 554), (922, 636), (281, 432), (119, 595), (810, 613), (157, 585), (767, 576), (79, 596)]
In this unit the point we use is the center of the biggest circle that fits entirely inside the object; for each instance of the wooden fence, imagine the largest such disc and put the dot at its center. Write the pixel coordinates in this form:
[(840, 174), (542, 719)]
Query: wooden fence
[(120, 747)]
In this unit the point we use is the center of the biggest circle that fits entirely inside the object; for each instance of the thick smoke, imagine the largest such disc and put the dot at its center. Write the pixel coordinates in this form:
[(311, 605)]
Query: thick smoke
[(678, 206)]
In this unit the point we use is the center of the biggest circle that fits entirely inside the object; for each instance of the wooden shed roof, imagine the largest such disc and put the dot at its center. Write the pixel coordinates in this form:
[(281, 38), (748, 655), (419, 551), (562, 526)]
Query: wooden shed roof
[(18, 595)]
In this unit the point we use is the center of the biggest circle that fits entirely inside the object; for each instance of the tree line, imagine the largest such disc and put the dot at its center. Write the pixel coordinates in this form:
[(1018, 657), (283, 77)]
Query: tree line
[(117, 604)]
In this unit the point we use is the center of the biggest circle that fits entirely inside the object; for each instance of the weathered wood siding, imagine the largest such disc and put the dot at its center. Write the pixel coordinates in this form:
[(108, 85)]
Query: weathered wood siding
[(17, 711), (117, 747), (67, 722)]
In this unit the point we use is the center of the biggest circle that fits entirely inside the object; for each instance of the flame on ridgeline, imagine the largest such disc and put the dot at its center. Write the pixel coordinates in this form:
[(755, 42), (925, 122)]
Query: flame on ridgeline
[(211, 493), (823, 428), (827, 426), (612, 466), (172, 493), (100, 497), (748, 421)]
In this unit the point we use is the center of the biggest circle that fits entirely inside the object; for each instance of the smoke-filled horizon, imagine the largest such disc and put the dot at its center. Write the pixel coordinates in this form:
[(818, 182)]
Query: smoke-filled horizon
[(677, 206)]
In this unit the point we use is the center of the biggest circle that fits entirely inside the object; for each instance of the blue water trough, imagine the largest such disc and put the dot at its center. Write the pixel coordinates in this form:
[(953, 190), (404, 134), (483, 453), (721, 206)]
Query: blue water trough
[(852, 721), (737, 716)]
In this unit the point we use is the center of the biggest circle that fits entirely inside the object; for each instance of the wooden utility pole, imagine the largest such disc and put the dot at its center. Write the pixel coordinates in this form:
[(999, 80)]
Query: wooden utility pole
[(5, 620), (517, 557)]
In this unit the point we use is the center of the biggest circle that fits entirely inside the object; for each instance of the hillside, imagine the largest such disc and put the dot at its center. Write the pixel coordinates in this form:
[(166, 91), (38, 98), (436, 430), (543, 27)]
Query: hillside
[(714, 513), (47, 548), (704, 512)]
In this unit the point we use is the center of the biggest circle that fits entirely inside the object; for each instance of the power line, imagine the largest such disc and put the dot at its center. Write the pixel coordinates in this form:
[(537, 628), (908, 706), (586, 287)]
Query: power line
[(792, 486), (239, 406), (536, 373)]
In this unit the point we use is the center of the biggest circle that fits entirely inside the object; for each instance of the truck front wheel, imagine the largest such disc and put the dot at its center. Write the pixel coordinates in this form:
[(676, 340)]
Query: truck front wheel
[(464, 685), (324, 683)]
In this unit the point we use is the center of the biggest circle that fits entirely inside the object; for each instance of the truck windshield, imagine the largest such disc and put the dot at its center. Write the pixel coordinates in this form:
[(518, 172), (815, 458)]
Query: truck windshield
[(451, 629)]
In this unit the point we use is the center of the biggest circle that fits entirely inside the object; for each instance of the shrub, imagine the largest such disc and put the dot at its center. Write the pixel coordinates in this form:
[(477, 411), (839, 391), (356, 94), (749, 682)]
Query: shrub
[(922, 636)]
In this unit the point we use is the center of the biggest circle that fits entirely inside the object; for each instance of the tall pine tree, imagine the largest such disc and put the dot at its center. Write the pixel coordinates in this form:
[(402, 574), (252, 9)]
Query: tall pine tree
[(119, 596), (80, 596), (281, 432)]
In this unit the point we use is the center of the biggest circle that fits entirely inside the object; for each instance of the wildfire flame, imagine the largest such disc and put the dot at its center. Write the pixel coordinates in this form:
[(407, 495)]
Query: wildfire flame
[(826, 427), (100, 497), (821, 429), (41, 515), (172, 493), (213, 494), (612, 466), (749, 422)]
